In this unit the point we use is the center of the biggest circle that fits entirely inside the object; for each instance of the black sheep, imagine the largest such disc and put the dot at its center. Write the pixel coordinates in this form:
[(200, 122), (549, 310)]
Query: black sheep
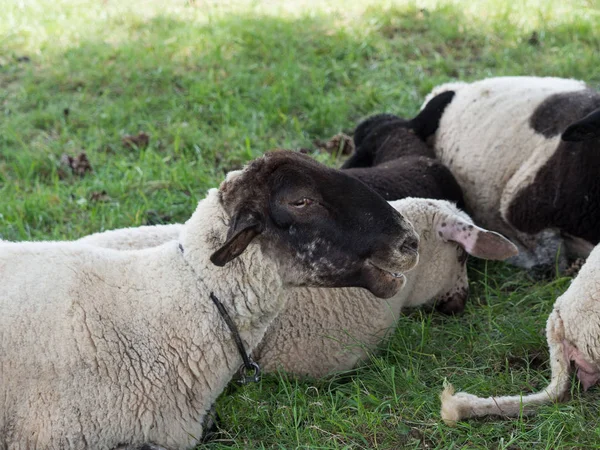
[(393, 158)]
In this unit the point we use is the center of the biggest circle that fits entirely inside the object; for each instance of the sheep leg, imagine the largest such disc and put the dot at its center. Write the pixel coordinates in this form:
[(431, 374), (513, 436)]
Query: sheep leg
[(540, 253), (462, 405)]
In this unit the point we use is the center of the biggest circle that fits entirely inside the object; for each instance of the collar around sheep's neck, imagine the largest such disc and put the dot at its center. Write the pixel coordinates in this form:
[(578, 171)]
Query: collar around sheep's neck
[(249, 371)]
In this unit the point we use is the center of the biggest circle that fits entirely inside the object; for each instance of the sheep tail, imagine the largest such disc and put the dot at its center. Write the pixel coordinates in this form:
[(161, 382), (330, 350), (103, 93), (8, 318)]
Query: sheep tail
[(462, 405)]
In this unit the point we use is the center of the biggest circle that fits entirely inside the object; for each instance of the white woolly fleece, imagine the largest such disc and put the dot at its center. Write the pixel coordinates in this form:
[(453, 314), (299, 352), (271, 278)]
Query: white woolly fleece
[(326, 330), (71, 376), (484, 137)]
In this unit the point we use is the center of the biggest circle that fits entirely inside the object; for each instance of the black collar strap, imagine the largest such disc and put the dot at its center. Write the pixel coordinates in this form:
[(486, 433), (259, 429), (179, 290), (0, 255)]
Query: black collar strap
[(249, 372)]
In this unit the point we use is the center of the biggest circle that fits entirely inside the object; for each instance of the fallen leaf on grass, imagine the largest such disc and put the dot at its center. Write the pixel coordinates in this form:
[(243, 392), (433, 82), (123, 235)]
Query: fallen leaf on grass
[(340, 144), (79, 165), (99, 196), (140, 140)]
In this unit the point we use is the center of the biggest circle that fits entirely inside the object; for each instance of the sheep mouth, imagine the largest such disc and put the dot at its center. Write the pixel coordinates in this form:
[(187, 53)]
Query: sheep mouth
[(389, 272), (381, 282)]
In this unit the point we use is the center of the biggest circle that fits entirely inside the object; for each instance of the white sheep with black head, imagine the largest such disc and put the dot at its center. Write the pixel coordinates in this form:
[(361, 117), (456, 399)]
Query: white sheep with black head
[(103, 348), (321, 330), (526, 153)]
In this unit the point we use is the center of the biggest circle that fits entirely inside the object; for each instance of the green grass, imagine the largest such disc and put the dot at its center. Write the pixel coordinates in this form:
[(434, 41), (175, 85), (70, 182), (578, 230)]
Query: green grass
[(215, 85)]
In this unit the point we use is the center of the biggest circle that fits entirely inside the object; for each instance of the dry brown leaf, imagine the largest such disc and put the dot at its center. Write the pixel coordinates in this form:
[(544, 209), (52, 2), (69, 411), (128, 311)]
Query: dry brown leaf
[(340, 144), (140, 140), (79, 165)]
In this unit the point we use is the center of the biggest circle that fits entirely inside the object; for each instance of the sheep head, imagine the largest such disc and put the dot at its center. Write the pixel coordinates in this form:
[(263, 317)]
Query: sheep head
[(448, 236), (386, 137), (322, 227)]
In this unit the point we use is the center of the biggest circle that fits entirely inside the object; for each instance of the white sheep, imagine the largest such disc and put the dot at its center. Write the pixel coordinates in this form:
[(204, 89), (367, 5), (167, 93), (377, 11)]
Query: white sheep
[(526, 152), (327, 330), (573, 333), (102, 348)]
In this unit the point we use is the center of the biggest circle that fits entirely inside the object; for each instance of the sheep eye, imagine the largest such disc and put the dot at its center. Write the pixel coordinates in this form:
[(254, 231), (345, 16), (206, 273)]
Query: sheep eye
[(302, 203)]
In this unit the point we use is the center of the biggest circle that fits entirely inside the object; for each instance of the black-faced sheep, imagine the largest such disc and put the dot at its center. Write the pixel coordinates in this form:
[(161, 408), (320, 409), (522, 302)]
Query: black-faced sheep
[(392, 156), (326, 330), (526, 152), (103, 348), (322, 331), (573, 333)]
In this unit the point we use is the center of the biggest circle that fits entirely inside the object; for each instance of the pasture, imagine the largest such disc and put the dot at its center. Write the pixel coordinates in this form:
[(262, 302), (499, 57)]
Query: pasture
[(201, 87)]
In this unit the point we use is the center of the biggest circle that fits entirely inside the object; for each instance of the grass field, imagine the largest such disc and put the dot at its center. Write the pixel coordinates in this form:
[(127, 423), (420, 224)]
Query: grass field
[(215, 84)]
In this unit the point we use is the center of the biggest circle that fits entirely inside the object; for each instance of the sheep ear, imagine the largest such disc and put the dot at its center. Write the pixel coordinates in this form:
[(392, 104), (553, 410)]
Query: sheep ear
[(477, 241), (427, 121), (363, 129), (584, 129), (245, 226)]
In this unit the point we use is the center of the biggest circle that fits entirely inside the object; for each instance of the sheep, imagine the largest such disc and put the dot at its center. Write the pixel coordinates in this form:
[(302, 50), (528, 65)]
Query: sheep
[(393, 157), (325, 331), (385, 137), (525, 151), (103, 348), (573, 334), (134, 238), (314, 334)]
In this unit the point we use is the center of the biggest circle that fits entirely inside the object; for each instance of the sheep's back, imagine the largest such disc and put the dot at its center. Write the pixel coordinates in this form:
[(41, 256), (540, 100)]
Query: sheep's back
[(86, 340), (413, 176), (323, 330), (485, 136)]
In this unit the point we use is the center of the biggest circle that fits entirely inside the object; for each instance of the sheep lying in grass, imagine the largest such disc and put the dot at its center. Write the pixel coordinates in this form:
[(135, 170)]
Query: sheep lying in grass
[(103, 348), (393, 158), (573, 333), (526, 152), (321, 329)]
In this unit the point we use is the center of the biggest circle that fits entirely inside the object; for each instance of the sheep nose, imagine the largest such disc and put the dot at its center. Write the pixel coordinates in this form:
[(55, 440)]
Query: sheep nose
[(410, 245)]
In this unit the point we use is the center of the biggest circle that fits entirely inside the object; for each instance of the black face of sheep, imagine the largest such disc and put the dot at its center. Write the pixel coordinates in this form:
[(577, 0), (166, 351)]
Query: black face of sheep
[(385, 137), (322, 226)]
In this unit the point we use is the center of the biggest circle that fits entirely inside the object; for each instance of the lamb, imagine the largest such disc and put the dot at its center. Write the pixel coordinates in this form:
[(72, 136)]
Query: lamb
[(393, 157), (108, 349), (326, 330), (525, 151), (573, 333)]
